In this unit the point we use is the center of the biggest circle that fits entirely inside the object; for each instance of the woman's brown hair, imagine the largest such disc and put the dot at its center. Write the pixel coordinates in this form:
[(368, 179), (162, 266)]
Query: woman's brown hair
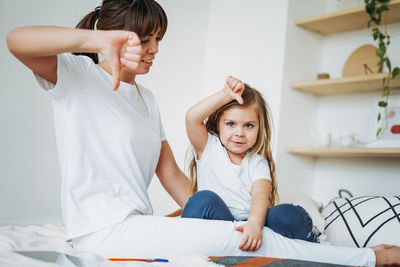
[(143, 17), (262, 146)]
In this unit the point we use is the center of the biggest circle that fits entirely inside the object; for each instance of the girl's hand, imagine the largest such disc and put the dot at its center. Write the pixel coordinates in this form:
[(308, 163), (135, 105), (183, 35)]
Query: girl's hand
[(251, 238), (121, 49), (234, 88)]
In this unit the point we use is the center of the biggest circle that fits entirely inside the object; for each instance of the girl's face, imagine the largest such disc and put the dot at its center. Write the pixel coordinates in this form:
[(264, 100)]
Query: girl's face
[(238, 130), (150, 49)]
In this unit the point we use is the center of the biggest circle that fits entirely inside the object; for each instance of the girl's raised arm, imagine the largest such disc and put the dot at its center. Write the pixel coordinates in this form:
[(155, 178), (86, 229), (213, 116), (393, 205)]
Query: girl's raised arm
[(37, 47), (195, 128)]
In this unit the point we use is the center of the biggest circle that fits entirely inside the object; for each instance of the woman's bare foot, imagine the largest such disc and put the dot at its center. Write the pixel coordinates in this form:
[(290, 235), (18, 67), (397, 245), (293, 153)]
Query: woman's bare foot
[(382, 246), (389, 255)]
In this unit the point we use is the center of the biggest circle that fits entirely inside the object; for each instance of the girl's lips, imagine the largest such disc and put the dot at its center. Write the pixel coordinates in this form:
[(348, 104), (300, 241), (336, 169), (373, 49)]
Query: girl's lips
[(238, 143)]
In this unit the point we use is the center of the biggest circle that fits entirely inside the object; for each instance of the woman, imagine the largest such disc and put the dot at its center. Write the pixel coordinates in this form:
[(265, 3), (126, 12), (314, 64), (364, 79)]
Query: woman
[(111, 141)]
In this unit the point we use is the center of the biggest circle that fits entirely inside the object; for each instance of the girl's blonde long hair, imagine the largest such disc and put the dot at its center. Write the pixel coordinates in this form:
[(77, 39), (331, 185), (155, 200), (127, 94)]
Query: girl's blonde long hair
[(262, 146)]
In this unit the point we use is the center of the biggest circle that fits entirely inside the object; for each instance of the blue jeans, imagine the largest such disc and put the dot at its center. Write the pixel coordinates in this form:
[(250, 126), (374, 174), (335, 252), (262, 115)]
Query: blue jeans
[(286, 219)]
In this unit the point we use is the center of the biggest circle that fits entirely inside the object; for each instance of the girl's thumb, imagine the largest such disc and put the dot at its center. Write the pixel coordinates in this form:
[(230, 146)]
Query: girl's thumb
[(239, 99)]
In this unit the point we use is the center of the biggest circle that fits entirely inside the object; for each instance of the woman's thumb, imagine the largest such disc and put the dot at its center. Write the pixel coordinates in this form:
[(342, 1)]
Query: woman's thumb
[(115, 70)]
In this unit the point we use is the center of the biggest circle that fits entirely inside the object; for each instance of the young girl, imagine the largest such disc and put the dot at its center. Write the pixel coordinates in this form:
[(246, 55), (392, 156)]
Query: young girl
[(234, 167)]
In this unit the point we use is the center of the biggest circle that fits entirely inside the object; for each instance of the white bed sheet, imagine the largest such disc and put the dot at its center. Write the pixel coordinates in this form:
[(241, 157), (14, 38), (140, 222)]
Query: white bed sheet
[(52, 238)]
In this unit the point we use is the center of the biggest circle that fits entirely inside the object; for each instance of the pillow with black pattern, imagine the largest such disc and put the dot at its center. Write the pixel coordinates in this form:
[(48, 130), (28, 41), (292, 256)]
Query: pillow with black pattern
[(363, 221)]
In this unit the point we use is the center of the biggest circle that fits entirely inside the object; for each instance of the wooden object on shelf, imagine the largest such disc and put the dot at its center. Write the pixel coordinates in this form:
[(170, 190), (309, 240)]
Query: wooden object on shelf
[(321, 76), (345, 85), (345, 152), (363, 61), (347, 19)]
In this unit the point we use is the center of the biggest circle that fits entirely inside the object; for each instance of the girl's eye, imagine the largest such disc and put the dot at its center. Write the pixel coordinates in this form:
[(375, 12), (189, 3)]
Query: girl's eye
[(144, 41), (230, 124), (158, 39), (249, 125)]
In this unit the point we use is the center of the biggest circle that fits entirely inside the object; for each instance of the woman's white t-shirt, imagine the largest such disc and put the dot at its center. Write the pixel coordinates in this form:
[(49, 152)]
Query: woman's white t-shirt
[(231, 182), (108, 144)]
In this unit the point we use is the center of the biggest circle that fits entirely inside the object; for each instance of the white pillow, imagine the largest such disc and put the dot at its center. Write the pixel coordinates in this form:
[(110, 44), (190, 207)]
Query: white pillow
[(310, 205), (363, 221)]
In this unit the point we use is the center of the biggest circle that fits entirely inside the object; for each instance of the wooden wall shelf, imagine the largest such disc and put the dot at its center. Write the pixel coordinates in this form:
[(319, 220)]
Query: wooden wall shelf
[(345, 152), (357, 84), (347, 19)]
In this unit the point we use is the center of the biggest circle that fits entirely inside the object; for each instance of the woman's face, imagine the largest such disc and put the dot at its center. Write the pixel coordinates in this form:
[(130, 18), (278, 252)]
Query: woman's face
[(150, 49)]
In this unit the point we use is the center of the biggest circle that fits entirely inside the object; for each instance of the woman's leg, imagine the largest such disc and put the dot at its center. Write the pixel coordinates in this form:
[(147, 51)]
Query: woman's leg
[(141, 236), (291, 221), (206, 204)]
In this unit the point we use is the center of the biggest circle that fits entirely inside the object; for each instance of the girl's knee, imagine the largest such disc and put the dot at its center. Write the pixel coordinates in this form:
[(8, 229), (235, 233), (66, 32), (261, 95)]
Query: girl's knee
[(291, 221), (289, 214), (199, 203), (204, 194), (204, 197)]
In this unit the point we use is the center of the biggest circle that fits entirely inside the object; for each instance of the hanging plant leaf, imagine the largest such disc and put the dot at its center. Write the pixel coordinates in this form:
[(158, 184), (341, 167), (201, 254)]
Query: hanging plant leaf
[(395, 72), (381, 61), (379, 52), (381, 9), (379, 116), (370, 7), (385, 91), (382, 103), (388, 64), (378, 132), (378, 19)]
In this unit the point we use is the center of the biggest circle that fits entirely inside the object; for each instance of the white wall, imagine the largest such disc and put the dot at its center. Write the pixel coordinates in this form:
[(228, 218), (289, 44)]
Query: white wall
[(30, 177), (247, 40), (205, 41), (297, 112)]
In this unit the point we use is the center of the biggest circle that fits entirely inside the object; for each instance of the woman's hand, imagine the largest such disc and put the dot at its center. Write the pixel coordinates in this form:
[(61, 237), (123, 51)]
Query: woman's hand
[(251, 238), (121, 49), (234, 88)]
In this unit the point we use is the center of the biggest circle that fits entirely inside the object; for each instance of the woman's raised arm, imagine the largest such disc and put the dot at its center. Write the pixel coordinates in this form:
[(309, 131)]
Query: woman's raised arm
[(37, 47)]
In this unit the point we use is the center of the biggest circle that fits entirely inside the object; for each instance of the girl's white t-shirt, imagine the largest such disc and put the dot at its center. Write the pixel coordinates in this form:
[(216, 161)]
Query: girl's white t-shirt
[(231, 182), (108, 144)]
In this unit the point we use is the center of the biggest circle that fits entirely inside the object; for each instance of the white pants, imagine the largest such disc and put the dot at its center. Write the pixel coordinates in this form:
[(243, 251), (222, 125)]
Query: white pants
[(141, 236)]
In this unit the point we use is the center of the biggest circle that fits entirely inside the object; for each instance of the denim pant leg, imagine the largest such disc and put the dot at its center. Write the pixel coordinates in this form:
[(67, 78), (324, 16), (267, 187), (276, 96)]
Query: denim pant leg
[(291, 221), (206, 204)]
